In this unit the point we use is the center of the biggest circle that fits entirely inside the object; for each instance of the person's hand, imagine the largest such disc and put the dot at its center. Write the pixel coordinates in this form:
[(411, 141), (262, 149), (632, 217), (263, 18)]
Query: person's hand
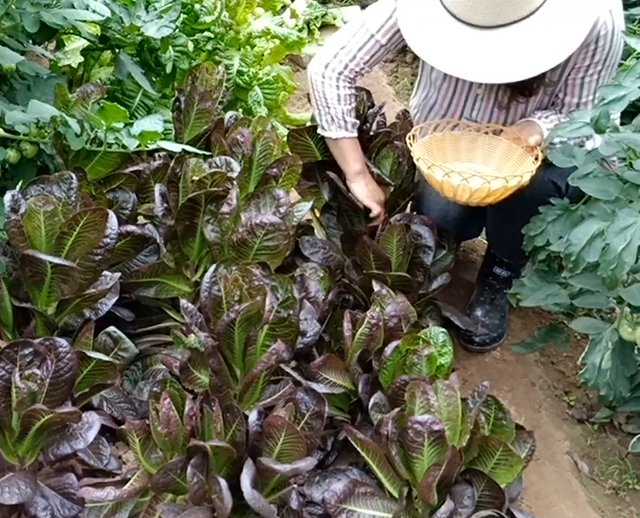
[(363, 187), (528, 133), (369, 193)]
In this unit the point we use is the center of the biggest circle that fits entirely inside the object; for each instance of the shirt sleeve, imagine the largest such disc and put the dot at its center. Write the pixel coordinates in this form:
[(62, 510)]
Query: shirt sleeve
[(595, 65), (347, 55)]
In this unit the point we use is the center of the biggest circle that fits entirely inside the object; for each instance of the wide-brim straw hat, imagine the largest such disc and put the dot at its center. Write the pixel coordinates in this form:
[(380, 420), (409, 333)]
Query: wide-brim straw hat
[(497, 41)]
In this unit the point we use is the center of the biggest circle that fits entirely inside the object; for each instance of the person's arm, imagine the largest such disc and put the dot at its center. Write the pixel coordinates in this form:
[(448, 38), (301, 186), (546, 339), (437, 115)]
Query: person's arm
[(346, 56), (596, 65), (349, 54)]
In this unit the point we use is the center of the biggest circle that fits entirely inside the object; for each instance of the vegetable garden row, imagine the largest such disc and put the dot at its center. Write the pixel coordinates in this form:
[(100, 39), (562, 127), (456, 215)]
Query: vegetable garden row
[(182, 337)]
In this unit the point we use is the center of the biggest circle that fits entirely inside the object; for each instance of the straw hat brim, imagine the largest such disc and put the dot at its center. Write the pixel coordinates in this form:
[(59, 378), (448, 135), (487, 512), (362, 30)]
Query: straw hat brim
[(502, 55)]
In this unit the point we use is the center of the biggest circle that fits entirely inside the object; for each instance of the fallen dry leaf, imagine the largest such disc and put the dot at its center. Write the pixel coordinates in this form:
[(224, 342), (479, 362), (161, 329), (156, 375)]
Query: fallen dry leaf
[(582, 466)]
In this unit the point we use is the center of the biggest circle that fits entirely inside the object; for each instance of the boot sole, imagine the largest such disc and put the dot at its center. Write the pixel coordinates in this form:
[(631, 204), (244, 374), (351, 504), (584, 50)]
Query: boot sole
[(479, 350)]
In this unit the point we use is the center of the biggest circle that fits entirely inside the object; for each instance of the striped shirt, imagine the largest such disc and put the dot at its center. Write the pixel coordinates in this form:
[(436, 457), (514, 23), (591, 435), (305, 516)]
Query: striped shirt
[(365, 42)]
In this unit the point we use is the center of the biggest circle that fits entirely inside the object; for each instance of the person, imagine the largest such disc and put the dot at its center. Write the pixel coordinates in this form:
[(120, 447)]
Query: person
[(525, 64)]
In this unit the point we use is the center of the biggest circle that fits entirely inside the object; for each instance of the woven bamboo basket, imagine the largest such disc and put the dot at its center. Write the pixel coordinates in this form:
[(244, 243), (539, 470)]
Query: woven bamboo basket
[(473, 164)]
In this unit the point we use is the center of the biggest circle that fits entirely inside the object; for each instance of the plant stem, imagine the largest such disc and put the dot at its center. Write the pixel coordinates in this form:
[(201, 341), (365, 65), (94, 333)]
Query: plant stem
[(4, 134)]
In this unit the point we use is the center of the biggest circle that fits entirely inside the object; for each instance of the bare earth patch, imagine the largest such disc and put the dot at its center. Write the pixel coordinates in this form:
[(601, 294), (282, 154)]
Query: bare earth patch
[(579, 470)]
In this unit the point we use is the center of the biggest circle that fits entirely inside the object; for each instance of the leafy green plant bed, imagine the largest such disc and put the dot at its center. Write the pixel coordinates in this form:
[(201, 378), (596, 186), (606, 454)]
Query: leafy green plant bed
[(180, 339), (59, 59), (585, 254)]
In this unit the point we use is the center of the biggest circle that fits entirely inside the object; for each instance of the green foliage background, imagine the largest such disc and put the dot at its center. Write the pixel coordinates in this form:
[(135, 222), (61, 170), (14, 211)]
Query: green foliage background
[(128, 57), (585, 256)]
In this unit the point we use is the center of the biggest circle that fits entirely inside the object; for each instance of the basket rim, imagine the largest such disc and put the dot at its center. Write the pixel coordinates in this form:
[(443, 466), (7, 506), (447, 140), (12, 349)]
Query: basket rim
[(535, 153)]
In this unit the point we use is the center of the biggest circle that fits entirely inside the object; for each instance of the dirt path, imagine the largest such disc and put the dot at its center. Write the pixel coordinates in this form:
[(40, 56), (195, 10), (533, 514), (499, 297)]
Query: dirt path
[(552, 489), (536, 387)]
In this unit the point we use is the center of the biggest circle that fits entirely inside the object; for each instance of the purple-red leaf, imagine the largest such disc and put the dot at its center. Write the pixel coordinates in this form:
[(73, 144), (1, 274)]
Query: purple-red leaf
[(252, 496), (286, 471), (171, 478), (330, 372), (133, 488), (282, 441), (322, 252), (311, 411), (235, 428), (166, 424), (490, 496), (197, 479), (371, 256), (365, 499), (399, 394), (262, 238), (378, 407), (56, 498), (423, 439), (221, 496), (99, 455), (278, 353), (185, 511), (17, 488), (464, 497), (196, 106), (368, 336), (73, 437), (35, 372), (320, 483)]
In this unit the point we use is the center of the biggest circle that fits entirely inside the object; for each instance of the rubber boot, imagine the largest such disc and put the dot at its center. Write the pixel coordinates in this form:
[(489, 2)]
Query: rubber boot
[(489, 306)]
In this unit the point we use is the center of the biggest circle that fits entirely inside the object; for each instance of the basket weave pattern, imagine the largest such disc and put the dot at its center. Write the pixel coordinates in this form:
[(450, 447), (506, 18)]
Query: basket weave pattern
[(473, 164)]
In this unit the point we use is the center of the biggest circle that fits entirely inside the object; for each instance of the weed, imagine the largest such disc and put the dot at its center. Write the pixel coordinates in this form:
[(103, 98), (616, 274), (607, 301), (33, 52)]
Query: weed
[(617, 475), (571, 400)]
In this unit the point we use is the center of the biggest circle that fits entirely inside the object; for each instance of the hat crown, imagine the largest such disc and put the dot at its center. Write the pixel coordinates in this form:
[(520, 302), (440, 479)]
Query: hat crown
[(491, 13)]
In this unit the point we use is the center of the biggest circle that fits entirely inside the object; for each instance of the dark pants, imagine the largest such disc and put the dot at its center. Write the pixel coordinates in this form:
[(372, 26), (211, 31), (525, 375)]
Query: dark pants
[(504, 221)]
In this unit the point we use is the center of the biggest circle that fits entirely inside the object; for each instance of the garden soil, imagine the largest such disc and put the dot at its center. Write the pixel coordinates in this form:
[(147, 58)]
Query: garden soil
[(579, 471)]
